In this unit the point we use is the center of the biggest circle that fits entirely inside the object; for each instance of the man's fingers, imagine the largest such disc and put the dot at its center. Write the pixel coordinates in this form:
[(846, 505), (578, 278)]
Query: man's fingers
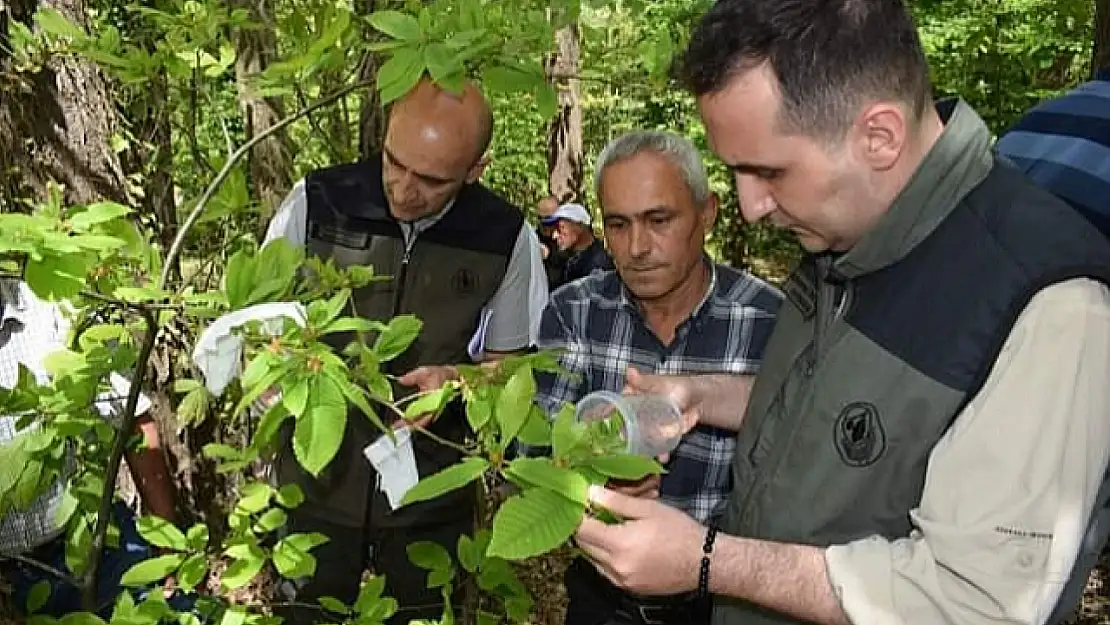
[(620, 505), (633, 381), (593, 537), (412, 378)]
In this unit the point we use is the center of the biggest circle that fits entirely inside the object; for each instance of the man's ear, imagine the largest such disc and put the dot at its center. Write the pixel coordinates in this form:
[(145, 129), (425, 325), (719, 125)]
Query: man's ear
[(709, 212), (475, 172), (881, 135)]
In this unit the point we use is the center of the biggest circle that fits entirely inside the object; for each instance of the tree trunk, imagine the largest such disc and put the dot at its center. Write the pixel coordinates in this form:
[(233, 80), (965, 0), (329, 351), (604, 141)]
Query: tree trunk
[(371, 119), (56, 124), (564, 135), (271, 161), (1100, 58)]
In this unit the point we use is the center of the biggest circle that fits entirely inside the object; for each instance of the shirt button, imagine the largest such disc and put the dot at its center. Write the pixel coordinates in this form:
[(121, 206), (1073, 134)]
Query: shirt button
[(1025, 559)]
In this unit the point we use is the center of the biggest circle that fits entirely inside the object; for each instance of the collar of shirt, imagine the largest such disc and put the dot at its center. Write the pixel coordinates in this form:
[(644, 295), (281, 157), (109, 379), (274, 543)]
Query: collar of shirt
[(411, 229), (628, 301)]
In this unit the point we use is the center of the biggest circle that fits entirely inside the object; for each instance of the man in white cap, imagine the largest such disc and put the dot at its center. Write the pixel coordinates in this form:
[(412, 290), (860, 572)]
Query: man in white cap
[(575, 235)]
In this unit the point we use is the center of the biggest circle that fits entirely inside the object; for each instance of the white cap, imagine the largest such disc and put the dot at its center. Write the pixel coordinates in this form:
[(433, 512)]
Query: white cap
[(571, 212)]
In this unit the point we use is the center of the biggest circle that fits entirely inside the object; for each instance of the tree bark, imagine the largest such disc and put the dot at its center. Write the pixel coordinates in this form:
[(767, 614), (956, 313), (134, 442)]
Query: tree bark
[(57, 123), (270, 161), (1100, 56), (564, 134), (371, 119)]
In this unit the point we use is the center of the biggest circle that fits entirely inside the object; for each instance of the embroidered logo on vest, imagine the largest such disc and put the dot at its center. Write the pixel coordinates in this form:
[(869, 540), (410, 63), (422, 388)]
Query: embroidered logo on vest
[(859, 435), (464, 281)]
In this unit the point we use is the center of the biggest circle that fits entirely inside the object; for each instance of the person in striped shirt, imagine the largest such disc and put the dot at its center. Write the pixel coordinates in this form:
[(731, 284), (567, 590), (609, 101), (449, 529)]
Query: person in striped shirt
[(1063, 144)]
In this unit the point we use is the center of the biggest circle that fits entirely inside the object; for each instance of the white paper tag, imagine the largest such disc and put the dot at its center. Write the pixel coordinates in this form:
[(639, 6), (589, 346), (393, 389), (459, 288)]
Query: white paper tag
[(395, 464)]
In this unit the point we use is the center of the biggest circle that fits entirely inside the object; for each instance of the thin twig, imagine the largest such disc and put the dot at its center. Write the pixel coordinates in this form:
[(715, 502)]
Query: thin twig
[(426, 432), (129, 305), (126, 426), (317, 129), (46, 568), (179, 240)]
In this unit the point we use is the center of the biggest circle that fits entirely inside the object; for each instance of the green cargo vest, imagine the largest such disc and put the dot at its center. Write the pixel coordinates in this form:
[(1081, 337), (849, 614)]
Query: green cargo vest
[(444, 274), (876, 352)]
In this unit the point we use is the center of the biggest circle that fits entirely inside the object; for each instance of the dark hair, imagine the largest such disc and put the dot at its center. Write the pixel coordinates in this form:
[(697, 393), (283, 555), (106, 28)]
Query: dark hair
[(828, 55)]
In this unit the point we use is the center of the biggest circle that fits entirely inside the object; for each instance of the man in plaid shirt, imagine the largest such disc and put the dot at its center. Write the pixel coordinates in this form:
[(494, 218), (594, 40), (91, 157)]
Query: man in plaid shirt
[(666, 309)]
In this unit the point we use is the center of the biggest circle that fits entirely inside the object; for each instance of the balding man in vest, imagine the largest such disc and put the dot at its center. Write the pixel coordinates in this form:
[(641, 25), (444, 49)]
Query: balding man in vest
[(462, 259)]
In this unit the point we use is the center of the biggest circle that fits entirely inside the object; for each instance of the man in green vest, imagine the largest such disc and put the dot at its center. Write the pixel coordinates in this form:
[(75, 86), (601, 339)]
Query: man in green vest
[(464, 261), (927, 436)]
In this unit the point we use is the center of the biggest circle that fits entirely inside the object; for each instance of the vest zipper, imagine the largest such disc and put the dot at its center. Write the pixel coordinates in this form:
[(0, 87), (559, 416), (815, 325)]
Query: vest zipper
[(399, 292), (830, 306)]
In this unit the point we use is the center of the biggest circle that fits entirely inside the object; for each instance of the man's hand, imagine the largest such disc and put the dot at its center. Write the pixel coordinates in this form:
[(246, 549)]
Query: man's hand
[(427, 378), (714, 400), (656, 550), (647, 488), (680, 389)]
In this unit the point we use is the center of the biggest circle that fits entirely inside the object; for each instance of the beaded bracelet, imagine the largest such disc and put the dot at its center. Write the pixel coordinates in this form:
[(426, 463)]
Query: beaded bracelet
[(706, 549)]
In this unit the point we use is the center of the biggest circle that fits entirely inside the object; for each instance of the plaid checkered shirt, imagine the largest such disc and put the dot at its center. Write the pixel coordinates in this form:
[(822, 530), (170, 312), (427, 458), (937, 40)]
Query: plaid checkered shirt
[(600, 327), (30, 330)]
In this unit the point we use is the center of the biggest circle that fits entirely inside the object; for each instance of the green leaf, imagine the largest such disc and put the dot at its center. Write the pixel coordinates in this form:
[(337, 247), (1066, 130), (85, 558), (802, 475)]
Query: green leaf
[(192, 571), (547, 101), (81, 618), (161, 533), (441, 61), (431, 403), (566, 433), (153, 570), (290, 496), (97, 213), (449, 479), (239, 279), (429, 555), (291, 555), (271, 520), (471, 553), (356, 396), (400, 74), (542, 473), (197, 537), (78, 545), (55, 24), (319, 431), (244, 569), (219, 451), (478, 412), (397, 336), (514, 403), (295, 397), (396, 24), (193, 409), (536, 430), (235, 615), (625, 467), (334, 605), (56, 277), (182, 387), (499, 78), (533, 522), (254, 497), (323, 312), (38, 596), (370, 592), (348, 324)]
